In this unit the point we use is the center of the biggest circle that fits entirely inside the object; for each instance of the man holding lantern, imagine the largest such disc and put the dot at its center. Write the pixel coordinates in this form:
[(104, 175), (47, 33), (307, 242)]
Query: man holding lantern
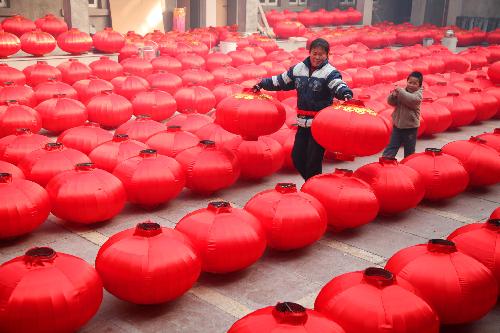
[(317, 83)]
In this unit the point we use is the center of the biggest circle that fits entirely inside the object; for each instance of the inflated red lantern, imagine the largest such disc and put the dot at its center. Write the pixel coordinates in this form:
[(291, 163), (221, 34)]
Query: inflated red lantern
[(109, 154), (485, 104), (151, 277), (191, 61), (496, 214), (397, 186), (74, 41), (14, 171), (287, 29), (41, 72), (369, 101), (361, 77), (224, 90), (91, 87), (106, 69), (61, 113), (86, 195), (459, 288), (250, 114), (137, 66), (18, 25), (195, 99), (227, 239), (492, 139), (462, 111), (74, 70), (349, 201), (481, 161), (221, 137), (68, 292), (285, 317), (190, 122), (24, 95), (374, 300), (43, 164), (129, 50), (37, 42), (286, 137), (216, 60), (11, 74), (108, 40), (51, 24), (109, 109), (444, 176), (9, 44), (291, 219), (227, 74), (351, 129), (168, 64), (164, 81), (15, 146), (258, 158), (384, 74), (157, 104), (252, 71), (494, 72), (150, 179), (14, 116), (50, 88), (140, 128), (240, 57), (172, 141), (85, 137), (208, 168), (129, 86), (437, 117), (276, 68), (25, 205), (457, 63), (198, 77), (479, 240)]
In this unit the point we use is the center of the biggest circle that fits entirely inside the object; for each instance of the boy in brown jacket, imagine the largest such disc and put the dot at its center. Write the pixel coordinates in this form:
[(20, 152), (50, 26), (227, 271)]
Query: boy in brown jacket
[(406, 116)]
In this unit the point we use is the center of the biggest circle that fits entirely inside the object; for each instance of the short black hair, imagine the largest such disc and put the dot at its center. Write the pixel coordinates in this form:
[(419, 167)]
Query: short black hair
[(320, 42), (419, 76)]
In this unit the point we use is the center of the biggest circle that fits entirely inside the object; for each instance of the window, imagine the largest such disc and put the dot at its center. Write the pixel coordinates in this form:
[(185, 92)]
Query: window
[(4, 4), (298, 2), (269, 2), (347, 2), (94, 3)]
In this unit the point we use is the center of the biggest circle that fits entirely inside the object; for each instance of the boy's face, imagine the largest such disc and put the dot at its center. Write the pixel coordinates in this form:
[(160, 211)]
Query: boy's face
[(412, 84), (317, 56)]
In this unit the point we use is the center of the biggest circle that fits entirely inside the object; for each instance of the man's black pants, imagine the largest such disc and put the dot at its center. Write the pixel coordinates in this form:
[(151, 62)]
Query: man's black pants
[(307, 154)]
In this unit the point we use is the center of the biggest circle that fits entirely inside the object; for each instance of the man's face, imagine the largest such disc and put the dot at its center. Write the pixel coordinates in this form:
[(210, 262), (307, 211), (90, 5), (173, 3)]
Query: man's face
[(317, 55), (412, 84)]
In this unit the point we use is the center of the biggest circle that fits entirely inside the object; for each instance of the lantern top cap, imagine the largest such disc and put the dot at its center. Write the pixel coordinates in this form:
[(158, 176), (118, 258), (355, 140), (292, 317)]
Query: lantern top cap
[(41, 253), (441, 246), (378, 276), (493, 224), (5, 177), (286, 187), (85, 166), (290, 313), (148, 153), (433, 150), (147, 229)]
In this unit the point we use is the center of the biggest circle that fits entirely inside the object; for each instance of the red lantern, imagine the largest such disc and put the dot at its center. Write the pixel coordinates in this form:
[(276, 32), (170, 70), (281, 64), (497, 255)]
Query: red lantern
[(190, 60), (227, 239), (155, 103), (9, 44), (494, 72), (74, 41), (481, 161), (291, 219), (10, 74), (227, 74), (15, 146), (68, 292), (194, 99), (151, 277), (109, 154), (43, 164), (216, 60), (51, 24), (109, 109), (492, 139), (86, 195), (84, 138), (129, 50), (37, 42), (25, 205), (462, 111), (496, 214), (140, 128), (349, 201), (13, 170), (436, 116), (18, 25), (252, 71), (14, 116), (444, 176), (91, 87), (150, 179), (374, 300), (24, 95), (197, 77), (209, 168), (220, 136), (351, 129), (60, 113), (459, 288), (285, 317), (137, 66), (51, 88), (286, 137), (485, 104), (168, 64), (74, 70), (167, 82), (240, 58), (172, 141), (41, 72), (106, 69), (361, 77), (224, 90), (108, 40), (397, 186), (129, 85), (287, 29), (190, 122)]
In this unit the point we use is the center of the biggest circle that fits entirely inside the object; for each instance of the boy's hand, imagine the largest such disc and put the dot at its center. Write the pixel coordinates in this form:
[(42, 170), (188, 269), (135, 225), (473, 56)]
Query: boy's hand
[(347, 96)]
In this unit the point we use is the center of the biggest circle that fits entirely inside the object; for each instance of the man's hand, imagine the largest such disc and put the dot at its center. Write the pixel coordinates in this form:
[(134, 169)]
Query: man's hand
[(256, 88)]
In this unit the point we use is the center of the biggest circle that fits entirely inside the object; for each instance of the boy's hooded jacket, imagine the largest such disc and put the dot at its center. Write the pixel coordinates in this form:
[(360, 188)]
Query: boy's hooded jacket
[(407, 111)]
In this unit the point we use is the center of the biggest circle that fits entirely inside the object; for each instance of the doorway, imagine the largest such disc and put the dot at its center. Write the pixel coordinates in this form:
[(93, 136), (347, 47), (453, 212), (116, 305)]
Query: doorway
[(221, 12), (435, 12)]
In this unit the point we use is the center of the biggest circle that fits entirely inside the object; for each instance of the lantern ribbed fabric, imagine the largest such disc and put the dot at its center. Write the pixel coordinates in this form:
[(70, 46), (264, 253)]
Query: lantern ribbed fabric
[(496, 214), (485, 104), (14, 147), (286, 137), (164, 81), (224, 90), (9, 44), (129, 86), (481, 241), (61, 113), (287, 29), (41, 72), (108, 40), (51, 24), (227, 239), (140, 128), (14, 171), (91, 87), (109, 109), (18, 25), (11, 74), (195, 99), (208, 168), (45, 291), (14, 116), (437, 117), (291, 219), (462, 111), (190, 60), (172, 141), (37, 42), (137, 66), (84, 138), (167, 63), (222, 138), (134, 266), (150, 179), (481, 161), (25, 205), (190, 122), (86, 195), (250, 114), (106, 69), (397, 186), (492, 139), (74, 70), (198, 77), (285, 317), (74, 41), (494, 72), (46, 90), (444, 175), (351, 129), (24, 95), (375, 301), (109, 154), (349, 201), (159, 105), (458, 287), (43, 164), (227, 74), (217, 60)]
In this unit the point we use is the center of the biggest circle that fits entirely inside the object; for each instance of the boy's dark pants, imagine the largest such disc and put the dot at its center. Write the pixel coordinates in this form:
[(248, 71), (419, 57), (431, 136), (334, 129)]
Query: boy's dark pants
[(307, 154), (406, 137)]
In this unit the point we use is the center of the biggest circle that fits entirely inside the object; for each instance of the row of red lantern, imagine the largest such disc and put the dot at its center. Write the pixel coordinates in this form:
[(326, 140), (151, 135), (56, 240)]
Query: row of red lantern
[(310, 18)]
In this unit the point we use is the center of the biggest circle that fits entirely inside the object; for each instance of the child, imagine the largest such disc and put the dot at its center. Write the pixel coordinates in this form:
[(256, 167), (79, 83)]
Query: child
[(406, 116)]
